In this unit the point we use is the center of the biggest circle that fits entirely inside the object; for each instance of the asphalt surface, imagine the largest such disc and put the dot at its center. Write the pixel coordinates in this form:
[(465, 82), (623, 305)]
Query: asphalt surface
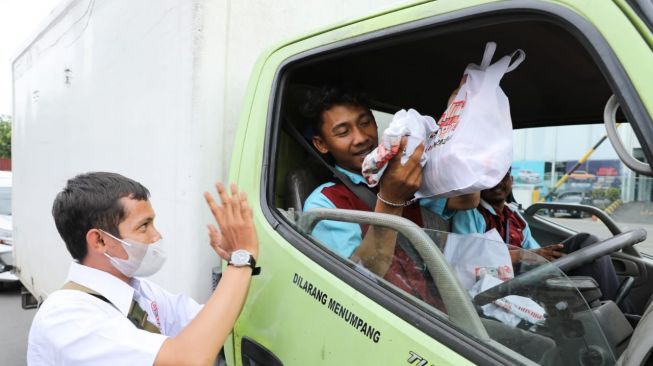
[(634, 212), (15, 327)]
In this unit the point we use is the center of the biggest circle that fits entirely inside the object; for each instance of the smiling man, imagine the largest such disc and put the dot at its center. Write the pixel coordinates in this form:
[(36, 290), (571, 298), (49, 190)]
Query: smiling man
[(344, 128), (107, 313), (493, 212)]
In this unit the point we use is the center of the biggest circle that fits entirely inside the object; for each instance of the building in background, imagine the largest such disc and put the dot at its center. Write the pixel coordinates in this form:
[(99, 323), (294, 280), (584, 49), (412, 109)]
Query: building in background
[(550, 152)]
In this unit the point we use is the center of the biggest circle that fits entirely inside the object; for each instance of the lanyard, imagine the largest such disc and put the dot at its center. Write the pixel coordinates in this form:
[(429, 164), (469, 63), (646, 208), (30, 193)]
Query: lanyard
[(507, 239)]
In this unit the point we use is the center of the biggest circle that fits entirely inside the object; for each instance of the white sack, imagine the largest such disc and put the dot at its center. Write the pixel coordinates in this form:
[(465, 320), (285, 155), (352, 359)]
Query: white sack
[(404, 123), (472, 149), (472, 256)]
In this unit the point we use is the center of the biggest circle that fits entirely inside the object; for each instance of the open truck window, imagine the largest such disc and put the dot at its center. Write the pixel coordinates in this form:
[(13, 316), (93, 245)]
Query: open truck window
[(567, 78)]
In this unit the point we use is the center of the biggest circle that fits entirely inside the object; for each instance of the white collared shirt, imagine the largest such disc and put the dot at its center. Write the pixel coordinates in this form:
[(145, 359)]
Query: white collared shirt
[(74, 328)]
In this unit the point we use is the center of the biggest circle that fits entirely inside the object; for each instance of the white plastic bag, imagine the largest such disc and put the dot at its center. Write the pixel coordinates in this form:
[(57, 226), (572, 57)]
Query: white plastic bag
[(404, 123), (511, 309), (473, 256), (472, 150), (482, 261)]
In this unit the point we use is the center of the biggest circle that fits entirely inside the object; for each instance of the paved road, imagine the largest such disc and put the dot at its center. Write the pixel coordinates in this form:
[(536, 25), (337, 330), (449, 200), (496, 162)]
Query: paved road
[(15, 327)]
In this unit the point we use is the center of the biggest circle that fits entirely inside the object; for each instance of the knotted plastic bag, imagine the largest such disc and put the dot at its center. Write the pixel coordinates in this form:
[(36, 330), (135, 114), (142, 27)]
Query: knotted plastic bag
[(404, 123)]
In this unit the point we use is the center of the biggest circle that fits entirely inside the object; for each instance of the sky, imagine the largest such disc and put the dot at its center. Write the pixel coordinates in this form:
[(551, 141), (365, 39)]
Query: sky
[(19, 20)]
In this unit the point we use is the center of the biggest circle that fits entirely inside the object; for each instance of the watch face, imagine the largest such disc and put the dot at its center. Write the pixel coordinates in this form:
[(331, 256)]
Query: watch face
[(240, 258)]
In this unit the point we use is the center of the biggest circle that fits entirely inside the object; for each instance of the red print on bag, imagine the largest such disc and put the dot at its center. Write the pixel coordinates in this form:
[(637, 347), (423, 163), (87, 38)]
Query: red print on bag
[(449, 121), (155, 310)]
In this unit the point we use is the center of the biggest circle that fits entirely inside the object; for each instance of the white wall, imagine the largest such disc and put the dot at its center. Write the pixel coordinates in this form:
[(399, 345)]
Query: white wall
[(150, 89)]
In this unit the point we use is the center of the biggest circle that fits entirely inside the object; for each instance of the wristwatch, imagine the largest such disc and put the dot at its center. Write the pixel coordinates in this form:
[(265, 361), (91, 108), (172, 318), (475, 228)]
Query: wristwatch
[(243, 258)]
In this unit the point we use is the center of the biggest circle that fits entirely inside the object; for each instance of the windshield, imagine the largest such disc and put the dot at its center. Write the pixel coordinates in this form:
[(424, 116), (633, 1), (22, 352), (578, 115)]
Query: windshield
[(506, 298), (525, 303)]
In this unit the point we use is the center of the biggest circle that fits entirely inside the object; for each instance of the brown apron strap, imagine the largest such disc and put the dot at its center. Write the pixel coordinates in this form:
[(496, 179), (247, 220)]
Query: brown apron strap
[(70, 285), (76, 286), (136, 314)]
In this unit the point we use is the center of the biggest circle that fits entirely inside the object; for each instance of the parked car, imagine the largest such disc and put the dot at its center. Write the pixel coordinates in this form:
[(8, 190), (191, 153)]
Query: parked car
[(528, 176), (582, 176), (6, 230), (580, 198)]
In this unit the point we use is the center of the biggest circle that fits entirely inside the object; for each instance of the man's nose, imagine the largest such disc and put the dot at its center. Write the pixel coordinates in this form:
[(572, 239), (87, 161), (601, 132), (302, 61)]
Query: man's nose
[(360, 136), (156, 235)]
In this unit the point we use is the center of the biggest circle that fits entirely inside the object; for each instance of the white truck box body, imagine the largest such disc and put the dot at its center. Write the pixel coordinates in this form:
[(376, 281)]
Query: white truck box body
[(150, 89)]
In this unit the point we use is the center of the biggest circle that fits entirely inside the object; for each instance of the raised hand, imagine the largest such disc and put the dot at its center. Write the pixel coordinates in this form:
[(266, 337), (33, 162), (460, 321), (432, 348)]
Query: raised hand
[(234, 218), (400, 182)]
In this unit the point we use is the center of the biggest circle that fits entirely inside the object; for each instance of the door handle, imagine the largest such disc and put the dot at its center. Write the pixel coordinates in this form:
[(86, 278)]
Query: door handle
[(253, 354)]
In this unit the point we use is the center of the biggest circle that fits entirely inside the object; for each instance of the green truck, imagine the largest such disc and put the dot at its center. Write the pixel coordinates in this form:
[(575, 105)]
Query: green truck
[(313, 307)]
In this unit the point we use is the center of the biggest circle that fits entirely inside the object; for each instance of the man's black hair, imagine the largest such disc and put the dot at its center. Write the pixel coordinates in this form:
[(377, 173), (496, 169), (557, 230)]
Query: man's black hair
[(327, 97), (91, 200)]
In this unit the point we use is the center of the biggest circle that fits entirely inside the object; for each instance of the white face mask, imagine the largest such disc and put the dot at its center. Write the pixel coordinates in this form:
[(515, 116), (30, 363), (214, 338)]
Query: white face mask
[(142, 259)]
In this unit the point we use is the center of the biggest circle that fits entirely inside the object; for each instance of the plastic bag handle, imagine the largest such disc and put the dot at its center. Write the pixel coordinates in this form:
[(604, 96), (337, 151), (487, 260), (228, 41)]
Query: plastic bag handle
[(521, 56), (490, 47)]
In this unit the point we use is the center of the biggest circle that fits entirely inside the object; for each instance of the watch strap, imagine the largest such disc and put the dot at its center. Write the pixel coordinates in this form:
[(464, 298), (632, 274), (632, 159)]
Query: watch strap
[(252, 264)]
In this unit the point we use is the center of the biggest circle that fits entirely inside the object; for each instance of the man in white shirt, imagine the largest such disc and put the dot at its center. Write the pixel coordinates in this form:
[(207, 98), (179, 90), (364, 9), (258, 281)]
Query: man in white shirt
[(105, 314)]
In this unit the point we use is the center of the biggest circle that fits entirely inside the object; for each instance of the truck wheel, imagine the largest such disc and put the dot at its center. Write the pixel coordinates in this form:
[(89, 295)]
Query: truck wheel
[(27, 300)]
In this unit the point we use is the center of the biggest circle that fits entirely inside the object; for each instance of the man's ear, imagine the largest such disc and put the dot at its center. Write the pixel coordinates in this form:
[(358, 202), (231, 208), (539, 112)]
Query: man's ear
[(94, 241), (319, 144)]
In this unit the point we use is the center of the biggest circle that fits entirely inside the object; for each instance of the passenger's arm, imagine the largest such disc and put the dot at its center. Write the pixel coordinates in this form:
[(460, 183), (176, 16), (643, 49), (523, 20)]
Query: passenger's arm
[(551, 252), (464, 202), (398, 185), (200, 342)]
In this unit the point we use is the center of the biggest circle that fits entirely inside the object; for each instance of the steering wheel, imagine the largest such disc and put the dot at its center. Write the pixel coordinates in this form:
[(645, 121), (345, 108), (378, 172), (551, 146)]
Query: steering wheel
[(566, 263), (596, 250)]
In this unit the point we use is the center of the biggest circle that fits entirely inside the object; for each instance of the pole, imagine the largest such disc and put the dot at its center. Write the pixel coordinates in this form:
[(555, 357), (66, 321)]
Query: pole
[(580, 162)]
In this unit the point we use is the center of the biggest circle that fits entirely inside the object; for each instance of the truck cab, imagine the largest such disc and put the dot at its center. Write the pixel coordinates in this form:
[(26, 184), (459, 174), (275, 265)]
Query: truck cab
[(586, 68)]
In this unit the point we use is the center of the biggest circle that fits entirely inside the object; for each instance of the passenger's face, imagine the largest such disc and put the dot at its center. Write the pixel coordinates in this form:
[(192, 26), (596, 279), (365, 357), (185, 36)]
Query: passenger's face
[(500, 192), (348, 133)]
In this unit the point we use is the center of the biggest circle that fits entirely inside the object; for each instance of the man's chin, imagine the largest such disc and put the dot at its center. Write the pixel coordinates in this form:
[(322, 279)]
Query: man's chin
[(358, 164), (494, 198), (353, 169)]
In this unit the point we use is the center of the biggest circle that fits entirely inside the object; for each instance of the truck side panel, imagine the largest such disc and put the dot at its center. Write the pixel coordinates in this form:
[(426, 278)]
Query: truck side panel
[(152, 90)]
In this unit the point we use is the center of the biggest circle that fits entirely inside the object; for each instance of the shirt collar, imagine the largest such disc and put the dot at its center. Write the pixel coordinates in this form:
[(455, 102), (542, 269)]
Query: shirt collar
[(116, 291), (355, 178), (491, 209), (488, 207)]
